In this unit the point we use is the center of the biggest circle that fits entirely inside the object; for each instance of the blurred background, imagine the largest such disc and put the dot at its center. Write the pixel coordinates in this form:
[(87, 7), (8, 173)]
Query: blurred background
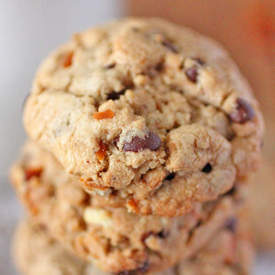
[(30, 29)]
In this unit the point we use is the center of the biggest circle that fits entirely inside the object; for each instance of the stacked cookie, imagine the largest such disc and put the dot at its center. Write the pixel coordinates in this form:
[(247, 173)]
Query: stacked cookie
[(143, 135), (36, 252)]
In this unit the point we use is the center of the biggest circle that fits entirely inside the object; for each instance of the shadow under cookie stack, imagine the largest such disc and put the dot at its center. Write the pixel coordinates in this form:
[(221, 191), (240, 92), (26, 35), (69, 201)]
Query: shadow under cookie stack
[(142, 138)]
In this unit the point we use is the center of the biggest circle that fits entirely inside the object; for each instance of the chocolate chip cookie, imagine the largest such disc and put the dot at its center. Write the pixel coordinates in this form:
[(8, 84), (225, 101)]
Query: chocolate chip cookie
[(112, 238), (150, 112), (36, 252)]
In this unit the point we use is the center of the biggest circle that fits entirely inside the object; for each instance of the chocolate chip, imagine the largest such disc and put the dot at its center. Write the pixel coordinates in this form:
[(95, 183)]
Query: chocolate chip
[(170, 176), (115, 95), (207, 168), (170, 46), (154, 71), (110, 66), (162, 234), (137, 144), (144, 268), (230, 136), (243, 112), (113, 191), (159, 67), (231, 224), (153, 141), (192, 74)]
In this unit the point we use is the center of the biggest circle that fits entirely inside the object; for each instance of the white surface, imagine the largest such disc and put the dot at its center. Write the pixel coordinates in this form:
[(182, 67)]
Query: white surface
[(29, 30)]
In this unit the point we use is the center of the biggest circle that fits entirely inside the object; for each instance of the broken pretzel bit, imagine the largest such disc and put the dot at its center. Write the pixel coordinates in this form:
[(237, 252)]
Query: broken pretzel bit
[(68, 60), (132, 204), (104, 115), (33, 172), (101, 153)]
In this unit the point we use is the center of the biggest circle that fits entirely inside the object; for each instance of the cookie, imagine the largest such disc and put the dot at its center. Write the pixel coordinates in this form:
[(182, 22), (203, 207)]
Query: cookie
[(261, 206), (35, 252), (149, 111), (112, 238)]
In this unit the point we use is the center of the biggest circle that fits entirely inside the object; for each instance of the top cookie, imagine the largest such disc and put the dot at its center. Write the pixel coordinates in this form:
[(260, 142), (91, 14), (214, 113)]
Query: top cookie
[(134, 105)]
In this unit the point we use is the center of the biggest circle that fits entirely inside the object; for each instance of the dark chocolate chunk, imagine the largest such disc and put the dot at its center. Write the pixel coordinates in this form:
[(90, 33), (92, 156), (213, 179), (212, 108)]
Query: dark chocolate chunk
[(192, 74), (170, 176), (137, 144), (207, 168), (162, 234), (243, 112), (231, 224), (159, 66), (115, 95)]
